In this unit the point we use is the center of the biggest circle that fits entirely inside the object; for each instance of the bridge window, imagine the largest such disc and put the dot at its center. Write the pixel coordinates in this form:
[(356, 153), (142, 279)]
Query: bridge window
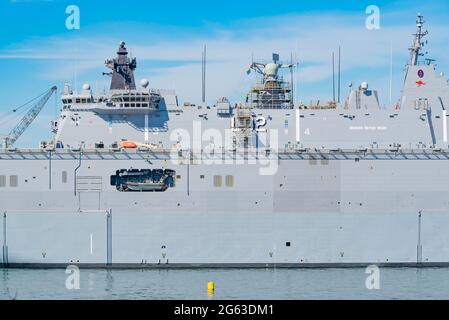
[(2, 181)]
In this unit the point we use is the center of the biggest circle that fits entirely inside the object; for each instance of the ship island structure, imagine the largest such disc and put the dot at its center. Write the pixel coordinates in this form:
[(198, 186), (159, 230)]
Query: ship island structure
[(133, 178)]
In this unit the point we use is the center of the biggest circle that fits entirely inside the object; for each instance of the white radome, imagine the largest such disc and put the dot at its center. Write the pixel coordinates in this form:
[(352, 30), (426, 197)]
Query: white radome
[(86, 86), (144, 83), (271, 69), (364, 86)]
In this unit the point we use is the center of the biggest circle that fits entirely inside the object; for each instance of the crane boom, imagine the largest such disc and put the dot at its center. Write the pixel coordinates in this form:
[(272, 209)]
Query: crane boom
[(19, 129)]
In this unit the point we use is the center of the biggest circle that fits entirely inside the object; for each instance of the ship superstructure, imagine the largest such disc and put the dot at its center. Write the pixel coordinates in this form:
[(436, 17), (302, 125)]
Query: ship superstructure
[(132, 178)]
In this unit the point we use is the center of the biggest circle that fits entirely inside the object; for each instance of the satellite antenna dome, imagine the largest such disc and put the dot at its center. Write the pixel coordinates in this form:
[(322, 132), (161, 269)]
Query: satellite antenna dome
[(271, 69), (144, 83), (364, 86), (86, 87)]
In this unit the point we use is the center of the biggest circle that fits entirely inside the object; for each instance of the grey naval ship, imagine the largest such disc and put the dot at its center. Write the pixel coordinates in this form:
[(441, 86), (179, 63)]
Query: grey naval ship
[(134, 178)]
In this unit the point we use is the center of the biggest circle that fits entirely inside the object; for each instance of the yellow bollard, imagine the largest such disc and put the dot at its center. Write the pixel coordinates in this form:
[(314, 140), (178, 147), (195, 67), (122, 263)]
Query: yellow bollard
[(210, 287)]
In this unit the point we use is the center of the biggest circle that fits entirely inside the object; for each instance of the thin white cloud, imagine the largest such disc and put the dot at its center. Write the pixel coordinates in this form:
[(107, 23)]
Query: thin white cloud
[(312, 37)]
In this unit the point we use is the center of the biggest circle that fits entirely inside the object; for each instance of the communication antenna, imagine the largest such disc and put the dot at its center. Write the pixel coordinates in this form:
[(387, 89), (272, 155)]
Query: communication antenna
[(292, 78), (203, 74), (333, 75), (339, 72), (391, 72), (418, 44), (296, 72)]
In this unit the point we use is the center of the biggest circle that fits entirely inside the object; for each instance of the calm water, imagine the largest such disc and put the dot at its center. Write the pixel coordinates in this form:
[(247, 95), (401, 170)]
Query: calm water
[(404, 283)]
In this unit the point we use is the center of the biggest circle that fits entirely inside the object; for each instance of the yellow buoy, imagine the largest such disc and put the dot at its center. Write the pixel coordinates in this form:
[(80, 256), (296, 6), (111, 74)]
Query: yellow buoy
[(210, 287)]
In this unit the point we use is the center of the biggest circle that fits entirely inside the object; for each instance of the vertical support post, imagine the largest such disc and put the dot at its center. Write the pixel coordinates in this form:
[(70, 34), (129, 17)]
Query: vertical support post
[(76, 172), (419, 247), (49, 169), (445, 126), (5, 245), (188, 173), (146, 135), (109, 238), (298, 126)]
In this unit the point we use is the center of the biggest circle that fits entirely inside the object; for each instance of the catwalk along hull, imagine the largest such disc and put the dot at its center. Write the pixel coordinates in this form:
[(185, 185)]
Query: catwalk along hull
[(380, 208)]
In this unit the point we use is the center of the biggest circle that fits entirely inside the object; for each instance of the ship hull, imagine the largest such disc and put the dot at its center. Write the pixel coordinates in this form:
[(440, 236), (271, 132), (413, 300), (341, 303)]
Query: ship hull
[(309, 213), (161, 240)]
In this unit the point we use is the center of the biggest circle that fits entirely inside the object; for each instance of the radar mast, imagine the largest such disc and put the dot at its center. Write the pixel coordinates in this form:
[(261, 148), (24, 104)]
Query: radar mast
[(415, 50), (122, 70)]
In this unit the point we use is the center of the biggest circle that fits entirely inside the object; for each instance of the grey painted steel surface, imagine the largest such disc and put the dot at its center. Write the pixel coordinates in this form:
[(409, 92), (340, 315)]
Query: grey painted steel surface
[(331, 184)]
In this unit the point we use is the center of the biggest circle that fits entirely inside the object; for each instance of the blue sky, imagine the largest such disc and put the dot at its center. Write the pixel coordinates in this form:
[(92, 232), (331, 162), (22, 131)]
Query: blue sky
[(37, 51)]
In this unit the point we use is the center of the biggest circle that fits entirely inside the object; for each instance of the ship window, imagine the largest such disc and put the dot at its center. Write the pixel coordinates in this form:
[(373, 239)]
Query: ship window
[(69, 101), (64, 101), (229, 181), (83, 100), (126, 99), (138, 105), (2, 181), (14, 181), (202, 176), (78, 100), (64, 176), (217, 181), (126, 105)]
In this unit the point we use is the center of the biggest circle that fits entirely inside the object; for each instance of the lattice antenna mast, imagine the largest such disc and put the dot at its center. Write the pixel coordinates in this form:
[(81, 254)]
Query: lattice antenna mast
[(418, 44)]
